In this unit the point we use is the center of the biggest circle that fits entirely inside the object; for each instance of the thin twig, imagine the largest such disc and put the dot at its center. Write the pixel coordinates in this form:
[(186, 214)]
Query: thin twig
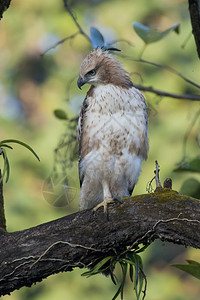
[(166, 94), (145, 283), (60, 42), (170, 69), (149, 187), (80, 30), (157, 171), (75, 21)]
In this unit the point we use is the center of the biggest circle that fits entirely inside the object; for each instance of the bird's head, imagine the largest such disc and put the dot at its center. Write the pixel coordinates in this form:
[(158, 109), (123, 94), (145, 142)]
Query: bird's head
[(100, 67)]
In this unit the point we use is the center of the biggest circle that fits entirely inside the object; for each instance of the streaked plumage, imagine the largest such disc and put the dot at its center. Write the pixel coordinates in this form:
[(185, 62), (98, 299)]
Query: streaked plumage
[(112, 131)]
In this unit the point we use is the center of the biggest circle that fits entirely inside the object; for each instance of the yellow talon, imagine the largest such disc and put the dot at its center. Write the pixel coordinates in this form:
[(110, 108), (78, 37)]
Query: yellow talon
[(104, 203)]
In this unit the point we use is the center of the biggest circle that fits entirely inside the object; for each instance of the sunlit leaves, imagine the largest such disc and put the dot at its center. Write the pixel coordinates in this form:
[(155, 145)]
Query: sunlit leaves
[(149, 35), (5, 144), (193, 268)]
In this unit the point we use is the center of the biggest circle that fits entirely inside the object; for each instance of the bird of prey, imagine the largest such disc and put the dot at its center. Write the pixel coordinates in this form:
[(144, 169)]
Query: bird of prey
[(112, 132)]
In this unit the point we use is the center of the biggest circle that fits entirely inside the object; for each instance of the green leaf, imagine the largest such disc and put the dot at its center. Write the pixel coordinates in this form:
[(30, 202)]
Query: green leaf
[(96, 37), (136, 261), (193, 262), (4, 143), (136, 278), (141, 281), (193, 268), (190, 166), (117, 293), (113, 278), (124, 271), (149, 35), (6, 167), (191, 187), (129, 259), (60, 114), (7, 146), (131, 272), (97, 268)]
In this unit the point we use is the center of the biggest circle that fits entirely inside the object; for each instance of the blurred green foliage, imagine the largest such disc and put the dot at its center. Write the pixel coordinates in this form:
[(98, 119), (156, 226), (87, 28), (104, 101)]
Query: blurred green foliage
[(33, 87), (192, 268)]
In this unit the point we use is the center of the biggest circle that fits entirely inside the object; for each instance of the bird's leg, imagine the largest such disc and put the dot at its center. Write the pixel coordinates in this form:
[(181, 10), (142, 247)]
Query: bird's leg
[(107, 198)]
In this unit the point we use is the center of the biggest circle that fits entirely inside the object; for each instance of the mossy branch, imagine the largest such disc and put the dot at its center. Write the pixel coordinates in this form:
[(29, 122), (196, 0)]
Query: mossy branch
[(84, 238)]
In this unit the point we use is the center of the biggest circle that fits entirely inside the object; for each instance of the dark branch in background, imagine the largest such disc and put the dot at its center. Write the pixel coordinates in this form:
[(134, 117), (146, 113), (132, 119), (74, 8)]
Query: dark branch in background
[(84, 238), (168, 68), (172, 70), (166, 94), (72, 36), (75, 21), (80, 30), (4, 5), (60, 42), (194, 9)]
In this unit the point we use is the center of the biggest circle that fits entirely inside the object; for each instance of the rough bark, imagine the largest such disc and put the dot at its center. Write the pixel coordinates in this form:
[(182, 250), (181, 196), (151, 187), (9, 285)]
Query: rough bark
[(4, 4), (84, 238), (194, 9), (2, 214)]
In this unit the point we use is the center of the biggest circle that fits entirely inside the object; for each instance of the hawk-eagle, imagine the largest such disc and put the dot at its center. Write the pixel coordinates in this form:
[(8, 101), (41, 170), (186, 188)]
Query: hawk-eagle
[(112, 131)]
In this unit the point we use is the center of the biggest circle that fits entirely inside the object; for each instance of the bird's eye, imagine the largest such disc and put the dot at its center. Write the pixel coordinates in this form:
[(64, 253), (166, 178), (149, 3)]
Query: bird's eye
[(91, 73)]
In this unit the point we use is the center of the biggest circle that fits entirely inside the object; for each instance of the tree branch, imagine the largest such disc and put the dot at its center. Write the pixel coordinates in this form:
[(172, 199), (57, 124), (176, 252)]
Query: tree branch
[(166, 67), (170, 69), (75, 21), (194, 9), (70, 37), (4, 4), (166, 94), (82, 239)]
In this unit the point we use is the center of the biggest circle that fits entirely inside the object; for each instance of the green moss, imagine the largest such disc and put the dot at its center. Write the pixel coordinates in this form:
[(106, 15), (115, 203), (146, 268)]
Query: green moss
[(164, 190), (161, 195)]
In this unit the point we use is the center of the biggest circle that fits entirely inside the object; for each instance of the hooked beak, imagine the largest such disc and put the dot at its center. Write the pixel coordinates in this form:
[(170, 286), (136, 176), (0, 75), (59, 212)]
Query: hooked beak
[(80, 82)]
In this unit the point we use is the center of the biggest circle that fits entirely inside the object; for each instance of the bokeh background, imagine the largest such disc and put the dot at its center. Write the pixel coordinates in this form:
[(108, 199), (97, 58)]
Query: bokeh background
[(33, 86)]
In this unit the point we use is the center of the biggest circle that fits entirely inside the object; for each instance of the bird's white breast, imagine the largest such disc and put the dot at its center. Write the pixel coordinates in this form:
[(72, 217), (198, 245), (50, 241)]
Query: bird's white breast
[(115, 120), (116, 113)]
